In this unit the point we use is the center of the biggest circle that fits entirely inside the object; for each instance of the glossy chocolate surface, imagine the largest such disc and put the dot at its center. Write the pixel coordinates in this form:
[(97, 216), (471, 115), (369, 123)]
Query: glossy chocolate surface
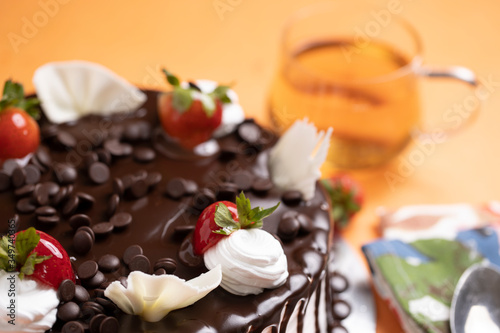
[(162, 225)]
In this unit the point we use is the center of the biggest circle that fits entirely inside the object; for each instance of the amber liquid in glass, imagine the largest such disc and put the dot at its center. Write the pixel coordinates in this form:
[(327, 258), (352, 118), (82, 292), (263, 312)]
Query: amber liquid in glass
[(357, 91)]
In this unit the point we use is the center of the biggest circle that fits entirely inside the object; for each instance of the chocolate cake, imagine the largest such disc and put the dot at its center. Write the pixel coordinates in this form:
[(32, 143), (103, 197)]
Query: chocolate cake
[(107, 190)]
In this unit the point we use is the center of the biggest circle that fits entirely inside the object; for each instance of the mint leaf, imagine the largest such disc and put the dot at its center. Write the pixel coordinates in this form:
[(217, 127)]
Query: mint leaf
[(13, 90), (251, 217), (29, 266), (13, 95), (224, 219), (181, 99), (26, 241), (208, 104), (171, 78), (221, 93), (4, 254)]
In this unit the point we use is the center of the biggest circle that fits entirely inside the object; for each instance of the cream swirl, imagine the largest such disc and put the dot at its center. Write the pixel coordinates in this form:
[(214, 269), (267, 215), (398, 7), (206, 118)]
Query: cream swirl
[(251, 260), (26, 305)]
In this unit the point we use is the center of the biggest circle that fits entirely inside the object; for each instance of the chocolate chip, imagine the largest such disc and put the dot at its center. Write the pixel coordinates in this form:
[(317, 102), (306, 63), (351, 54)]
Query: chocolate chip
[(73, 327), (249, 132), (204, 198), (113, 203), (34, 161), (191, 187), (102, 229), (341, 309), (82, 242), (306, 224), (65, 174), (87, 269), (43, 157), (181, 231), (88, 230), (4, 181), (71, 205), (68, 311), (288, 228), (25, 206), (49, 131), (116, 148), (18, 177), (140, 263), (48, 221), (81, 294), (66, 290), (107, 305), (292, 198), (144, 155), (338, 283), (160, 271), (121, 220), (139, 188), (61, 195), (95, 323), (127, 181), (153, 179), (24, 191), (99, 173), (96, 280), (79, 220), (109, 263), (131, 252), (41, 194), (65, 140), (243, 179), (176, 188), (45, 211), (32, 174), (92, 308), (140, 174), (261, 186), (118, 187), (227, 192), (109, 325), (90, 159), (228, 153), (104, 156), (168, 264), (51, 188), (86, 200)]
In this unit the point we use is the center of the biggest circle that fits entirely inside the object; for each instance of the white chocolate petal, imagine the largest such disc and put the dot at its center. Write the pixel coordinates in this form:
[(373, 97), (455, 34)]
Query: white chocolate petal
[(69, 90), (296, 158), (153, 296)]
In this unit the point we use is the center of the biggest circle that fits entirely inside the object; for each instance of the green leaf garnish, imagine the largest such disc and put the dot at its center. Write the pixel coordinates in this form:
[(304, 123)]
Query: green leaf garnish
[(224, 219), (221, 93), (13, 96), (20, 254), (181, 99), (171, 78), (248, 217)]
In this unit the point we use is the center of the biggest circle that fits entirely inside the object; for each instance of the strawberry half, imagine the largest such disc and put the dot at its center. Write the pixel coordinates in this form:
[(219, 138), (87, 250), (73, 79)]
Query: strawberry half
[(188, 114), (19, 132), (346, 197), (37, 255), (222, 218)]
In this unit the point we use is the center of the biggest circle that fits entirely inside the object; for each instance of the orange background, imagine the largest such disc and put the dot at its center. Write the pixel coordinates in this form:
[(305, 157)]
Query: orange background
[(239, 42)]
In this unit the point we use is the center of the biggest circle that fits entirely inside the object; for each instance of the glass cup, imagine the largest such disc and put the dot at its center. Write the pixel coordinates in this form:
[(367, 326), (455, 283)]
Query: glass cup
[(356, 68)]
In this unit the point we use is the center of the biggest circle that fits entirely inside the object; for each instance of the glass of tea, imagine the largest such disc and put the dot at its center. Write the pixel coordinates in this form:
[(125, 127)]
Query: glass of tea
[(356, 69)]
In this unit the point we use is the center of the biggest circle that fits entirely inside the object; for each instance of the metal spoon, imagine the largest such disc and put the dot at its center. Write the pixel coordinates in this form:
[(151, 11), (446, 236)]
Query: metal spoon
[(476, 300)]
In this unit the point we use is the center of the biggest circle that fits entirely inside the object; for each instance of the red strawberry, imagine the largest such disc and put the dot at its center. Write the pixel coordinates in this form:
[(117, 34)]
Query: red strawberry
[(39, 256), (346, 197), (189, 115), (222, 218), (19, 132)]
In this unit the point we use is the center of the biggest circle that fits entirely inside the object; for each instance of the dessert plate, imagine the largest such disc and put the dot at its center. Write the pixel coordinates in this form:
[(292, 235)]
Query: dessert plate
[(359, 293)]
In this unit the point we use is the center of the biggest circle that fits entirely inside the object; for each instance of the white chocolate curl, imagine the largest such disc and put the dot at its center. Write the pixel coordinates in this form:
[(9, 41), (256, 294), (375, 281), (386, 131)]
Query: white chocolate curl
[(153, 296), (296, 158)]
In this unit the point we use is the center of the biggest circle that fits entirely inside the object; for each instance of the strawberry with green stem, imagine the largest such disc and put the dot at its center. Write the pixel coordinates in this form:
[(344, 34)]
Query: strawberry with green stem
[(36, 255), (188, 114), (222, 218), (346, 197), (19, 131)]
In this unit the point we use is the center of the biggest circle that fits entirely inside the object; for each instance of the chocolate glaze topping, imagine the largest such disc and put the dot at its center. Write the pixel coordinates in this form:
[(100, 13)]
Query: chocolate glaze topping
[(99, 167)]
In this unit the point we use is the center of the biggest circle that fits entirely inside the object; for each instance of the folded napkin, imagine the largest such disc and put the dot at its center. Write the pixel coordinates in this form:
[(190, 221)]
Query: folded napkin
[(69, 90), (425, 250)]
